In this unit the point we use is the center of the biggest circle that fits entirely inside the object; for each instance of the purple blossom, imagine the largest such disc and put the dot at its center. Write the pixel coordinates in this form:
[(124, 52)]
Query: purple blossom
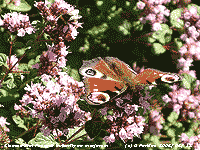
[(13, 60), (45, 131), (3, 122), (109, 139), (151, 17), (187, 24), (191, 114), (192, 32), (197, 24), (156, 27), (166, 98), (184, 137), (58, 10), (187, 15), (185, 64), (183, 37), (103, 110), (134, 130), (17, 2), (46, 99), (193, 10), (17, 22), (140, 5), (55, 54), (192, 139), (176, 108), (123, 134)]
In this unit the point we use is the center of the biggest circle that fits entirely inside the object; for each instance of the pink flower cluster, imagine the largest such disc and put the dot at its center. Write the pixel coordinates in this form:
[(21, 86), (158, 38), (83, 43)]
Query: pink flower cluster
[(12, 61), (193, 140), (17, 2), (124, 124), (156, 119), (3, 124), (4, 139), (54, 103), (60, 10), (17, 22), (154, 12), (191, 49), (53, 60), (182, 100)]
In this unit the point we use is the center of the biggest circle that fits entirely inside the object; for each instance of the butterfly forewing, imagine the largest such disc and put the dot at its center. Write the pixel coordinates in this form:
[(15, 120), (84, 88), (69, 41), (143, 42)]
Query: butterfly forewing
[(148, 76), (120, 68), (100, 67)]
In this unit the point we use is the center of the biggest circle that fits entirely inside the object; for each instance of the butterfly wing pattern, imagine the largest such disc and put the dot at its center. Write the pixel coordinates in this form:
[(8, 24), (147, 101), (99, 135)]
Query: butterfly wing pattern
[(107, 77), (101, 82)]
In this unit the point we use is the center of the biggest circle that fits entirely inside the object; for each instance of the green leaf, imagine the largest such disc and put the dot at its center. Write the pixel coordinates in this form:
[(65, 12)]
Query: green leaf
[(93, 128), (19, 122), (83, 105), (3, 2), (18, 44), (31, 63), (187, 80), (155, 139), (178, 124), (151, 40), (190, 132), (174, 18), (178, 43), (20, 141), (23, 67), (43, 141), (21, 51), (75, 74), (171, 132), (10, 83), (146, 136), (158, 49), (172, 117), (24, 6), (137, 25), (3, 59), (163, 35), (3, 93), (72, 131)]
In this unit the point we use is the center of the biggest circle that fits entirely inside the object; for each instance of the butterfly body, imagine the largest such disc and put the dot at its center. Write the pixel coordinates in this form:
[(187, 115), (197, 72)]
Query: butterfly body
[(107, 77)]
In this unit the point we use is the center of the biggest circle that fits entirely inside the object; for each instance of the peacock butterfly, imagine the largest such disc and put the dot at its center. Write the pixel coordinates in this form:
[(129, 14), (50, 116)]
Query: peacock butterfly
[(107, 77)]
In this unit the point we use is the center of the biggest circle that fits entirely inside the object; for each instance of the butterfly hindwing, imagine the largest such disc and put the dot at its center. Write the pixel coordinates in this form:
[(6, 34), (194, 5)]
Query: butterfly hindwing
[(103, 89)]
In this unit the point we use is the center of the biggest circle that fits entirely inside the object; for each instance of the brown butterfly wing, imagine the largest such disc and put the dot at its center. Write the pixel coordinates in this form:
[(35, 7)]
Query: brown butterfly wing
[(104, 90), (149, 76), (101, 68), (100, 85), (123, 71), (113, 75), (101, 81)]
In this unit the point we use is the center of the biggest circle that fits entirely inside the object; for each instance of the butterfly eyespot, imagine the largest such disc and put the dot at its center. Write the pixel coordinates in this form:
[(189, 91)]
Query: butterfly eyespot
[(90, 72), (170, 78), (97, 98)]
